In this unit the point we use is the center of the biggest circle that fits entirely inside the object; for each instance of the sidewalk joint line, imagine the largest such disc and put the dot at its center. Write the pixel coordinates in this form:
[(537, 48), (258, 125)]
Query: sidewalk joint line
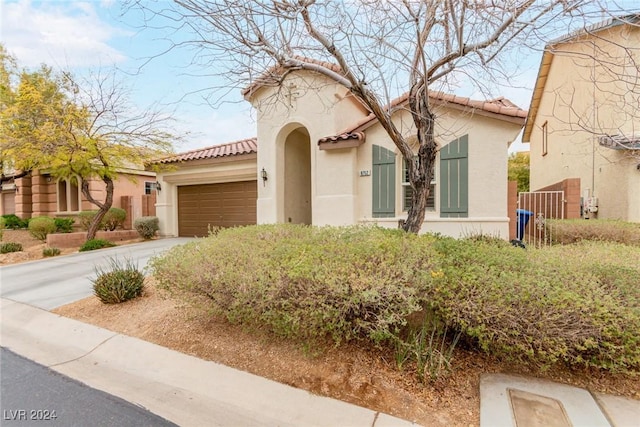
[(83, 355), (375, 419)]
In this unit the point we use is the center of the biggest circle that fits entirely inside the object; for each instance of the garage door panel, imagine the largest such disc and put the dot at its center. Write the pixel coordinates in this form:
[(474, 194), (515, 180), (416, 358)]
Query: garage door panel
[(215, 205)]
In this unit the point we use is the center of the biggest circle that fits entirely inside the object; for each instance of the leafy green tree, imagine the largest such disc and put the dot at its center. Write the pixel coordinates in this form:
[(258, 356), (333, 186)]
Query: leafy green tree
[(519, 170), (77, 132)]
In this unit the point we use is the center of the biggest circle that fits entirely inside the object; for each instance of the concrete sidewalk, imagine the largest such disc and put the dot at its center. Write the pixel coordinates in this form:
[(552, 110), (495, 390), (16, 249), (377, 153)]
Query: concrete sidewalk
[(508, 400), (180, 388)]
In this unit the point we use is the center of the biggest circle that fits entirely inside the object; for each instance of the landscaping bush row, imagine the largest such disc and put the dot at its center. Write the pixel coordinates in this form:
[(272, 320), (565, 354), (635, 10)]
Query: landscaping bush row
[(576, 230), (565, 304)]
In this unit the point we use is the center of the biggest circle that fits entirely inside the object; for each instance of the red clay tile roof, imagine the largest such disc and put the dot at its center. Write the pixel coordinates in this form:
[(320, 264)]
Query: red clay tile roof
[(342, 137), (500, 106), (245, 146)]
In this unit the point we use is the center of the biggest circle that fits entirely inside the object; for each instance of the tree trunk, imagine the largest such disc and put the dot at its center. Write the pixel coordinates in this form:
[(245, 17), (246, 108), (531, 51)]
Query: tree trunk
[(103, 208), (421, 170)]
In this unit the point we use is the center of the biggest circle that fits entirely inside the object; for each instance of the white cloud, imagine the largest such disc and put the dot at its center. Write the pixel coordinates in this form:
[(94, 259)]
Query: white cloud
[(211, 127), (63, 34)]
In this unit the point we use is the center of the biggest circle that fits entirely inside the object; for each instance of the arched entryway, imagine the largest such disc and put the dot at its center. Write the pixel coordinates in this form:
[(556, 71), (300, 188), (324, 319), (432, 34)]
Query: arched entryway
[(297, 177)]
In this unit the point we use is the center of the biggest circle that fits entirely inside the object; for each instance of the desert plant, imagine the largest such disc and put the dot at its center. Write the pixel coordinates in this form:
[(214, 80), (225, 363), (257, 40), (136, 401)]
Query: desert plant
[(13, 222), (94, 244), (64, 225), (41, 226), (120, 281), (146, 226), (563, 231), (565, 304), (8, 247), (113, 219), (305, 283), (49, 252)]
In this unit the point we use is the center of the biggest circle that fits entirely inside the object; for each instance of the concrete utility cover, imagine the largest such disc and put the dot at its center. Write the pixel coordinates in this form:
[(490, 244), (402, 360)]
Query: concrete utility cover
[(533, 410)]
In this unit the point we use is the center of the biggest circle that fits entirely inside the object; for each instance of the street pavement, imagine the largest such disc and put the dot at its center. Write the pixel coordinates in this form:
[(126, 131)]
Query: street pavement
[(34, 395), (56, 281)]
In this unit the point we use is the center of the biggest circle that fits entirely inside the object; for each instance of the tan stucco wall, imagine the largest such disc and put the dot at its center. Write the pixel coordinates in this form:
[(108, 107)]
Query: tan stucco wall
[(240, 168), (488, 153), (322, 108), (577, 110)]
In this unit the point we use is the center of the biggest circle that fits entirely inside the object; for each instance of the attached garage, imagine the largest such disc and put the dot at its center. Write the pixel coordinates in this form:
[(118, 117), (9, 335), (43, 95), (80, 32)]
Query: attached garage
[(227, 204), (214, 186)]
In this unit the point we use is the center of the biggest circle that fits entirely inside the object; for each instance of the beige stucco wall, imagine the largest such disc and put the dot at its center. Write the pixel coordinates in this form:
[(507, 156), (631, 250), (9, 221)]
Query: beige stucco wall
[(238, 168), (340, 195), (488, 153), (584, 99), (322, 108)]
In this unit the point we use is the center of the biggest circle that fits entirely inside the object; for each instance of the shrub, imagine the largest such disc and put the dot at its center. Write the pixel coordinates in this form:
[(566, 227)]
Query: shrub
[(94, 244), (8, 247), (113, 219), (576, 230), (118, 283), (2, 225), (85, 218), (13, 222), (302, 282), (40, 226), (64, 225), (146, 226), (569, 304), (48, 252)]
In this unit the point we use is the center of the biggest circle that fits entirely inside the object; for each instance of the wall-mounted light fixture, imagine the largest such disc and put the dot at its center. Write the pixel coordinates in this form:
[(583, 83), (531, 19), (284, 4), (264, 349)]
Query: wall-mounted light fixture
[(49, 178), (263, 175), (17, 189), (158, 186)]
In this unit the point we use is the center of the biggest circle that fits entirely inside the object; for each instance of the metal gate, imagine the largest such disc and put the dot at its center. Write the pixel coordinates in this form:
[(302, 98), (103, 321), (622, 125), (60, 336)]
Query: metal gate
[(534, 208)]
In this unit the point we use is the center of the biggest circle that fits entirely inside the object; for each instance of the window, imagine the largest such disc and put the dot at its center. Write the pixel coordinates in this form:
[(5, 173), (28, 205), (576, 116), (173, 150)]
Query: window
[(150, 187), (544, 138), (69, 195), (407, 191)]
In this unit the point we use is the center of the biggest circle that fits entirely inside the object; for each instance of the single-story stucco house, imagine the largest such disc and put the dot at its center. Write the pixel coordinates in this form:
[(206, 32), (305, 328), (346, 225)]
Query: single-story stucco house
[(321, 158)]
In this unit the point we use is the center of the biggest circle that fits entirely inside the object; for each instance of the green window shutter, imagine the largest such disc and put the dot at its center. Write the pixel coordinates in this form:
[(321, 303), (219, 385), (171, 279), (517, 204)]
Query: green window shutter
[(384, 183), (454, 179)]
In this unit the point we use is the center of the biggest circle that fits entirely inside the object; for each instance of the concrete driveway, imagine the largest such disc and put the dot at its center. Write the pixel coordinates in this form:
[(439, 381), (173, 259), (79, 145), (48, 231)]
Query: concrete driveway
[(56, 281)]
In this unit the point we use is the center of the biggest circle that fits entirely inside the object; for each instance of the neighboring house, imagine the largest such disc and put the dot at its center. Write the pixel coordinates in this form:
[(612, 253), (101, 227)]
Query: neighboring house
[(40, 193), (584, 118), (320, 158)]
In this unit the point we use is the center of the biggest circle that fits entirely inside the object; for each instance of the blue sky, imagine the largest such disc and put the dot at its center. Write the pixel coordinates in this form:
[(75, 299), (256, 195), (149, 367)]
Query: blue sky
[(85, 35)]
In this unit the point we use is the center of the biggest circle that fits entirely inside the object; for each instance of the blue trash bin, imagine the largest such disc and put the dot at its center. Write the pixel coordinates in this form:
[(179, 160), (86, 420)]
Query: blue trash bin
[(521, 222)]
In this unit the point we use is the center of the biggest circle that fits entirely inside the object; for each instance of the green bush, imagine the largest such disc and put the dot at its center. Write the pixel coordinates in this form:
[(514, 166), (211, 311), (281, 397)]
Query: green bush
[(8, 247), (146, 226), (94, 244), (2, 225), (114, 218), (49, 252), (563, 231), (13, 222), (303, 282), (40, 226), (577, 304), (118, 283), (64, 225)]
